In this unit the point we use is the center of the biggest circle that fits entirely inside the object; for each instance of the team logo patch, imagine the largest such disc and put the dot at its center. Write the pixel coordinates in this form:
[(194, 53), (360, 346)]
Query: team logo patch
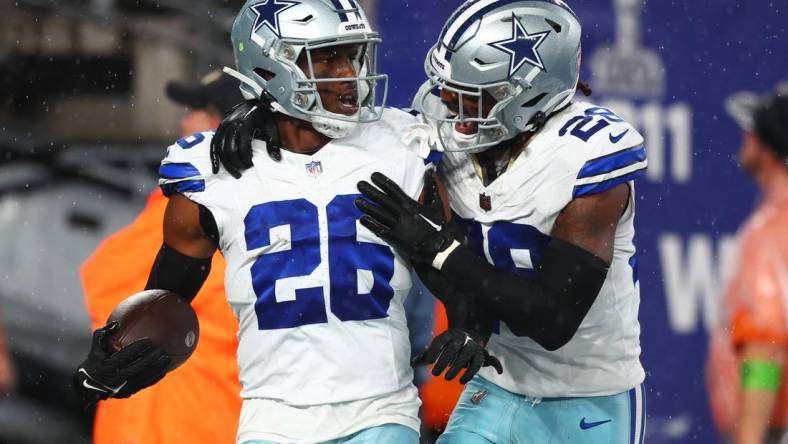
[(478, 397), (522, 47), (314, 169), (485, 202), (268, 11)]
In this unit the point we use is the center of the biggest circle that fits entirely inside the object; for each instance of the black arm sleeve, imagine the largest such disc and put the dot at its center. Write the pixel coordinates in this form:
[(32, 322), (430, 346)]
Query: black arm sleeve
[(462, 311), (178, 273), (548, 307)]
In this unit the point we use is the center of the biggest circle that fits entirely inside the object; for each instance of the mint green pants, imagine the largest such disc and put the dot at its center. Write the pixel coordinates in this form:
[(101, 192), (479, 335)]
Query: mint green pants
[(487, 414), (385, 434)]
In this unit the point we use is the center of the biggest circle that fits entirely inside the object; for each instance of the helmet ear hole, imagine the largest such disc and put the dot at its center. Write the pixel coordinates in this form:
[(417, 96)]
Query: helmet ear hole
[(534, 101), (265, 74), (556, 27)]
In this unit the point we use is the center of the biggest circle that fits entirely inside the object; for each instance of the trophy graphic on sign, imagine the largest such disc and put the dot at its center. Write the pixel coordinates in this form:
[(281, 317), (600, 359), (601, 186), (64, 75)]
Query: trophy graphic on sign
[(628, 68)]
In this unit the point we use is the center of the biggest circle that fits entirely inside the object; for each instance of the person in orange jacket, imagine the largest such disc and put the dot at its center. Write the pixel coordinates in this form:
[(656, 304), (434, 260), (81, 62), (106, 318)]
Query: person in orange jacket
[(749, 349), (438, 396), (198, 402), (7, 376)]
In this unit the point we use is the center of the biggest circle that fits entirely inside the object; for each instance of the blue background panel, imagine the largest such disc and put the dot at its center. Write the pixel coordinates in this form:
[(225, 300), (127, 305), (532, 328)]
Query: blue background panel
[(667, 67)]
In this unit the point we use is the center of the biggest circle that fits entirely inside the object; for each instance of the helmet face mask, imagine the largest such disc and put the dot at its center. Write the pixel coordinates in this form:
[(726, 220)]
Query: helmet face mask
[(487, 129), (525, 54), (277, 45), (311, 81)]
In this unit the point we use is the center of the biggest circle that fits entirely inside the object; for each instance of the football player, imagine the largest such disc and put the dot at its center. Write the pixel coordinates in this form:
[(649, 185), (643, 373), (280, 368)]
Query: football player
[(323, 346), (544, 186)]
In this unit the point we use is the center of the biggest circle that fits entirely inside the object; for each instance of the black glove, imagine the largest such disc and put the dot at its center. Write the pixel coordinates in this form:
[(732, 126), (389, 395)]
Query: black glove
[(414, 229), (121, 374), (464, 315), (231, 146), (457, 349)]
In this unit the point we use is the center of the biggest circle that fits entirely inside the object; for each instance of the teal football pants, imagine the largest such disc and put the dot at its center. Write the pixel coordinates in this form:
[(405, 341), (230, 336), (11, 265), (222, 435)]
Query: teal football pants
[(385, 434), (487, 414)]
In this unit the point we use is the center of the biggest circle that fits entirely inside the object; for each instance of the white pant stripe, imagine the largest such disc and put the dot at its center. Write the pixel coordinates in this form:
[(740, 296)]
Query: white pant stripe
[(638, 412)]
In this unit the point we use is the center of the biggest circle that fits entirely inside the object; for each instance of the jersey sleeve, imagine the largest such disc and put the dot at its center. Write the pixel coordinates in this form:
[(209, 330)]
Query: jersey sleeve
[(617, 155), (187, 167)]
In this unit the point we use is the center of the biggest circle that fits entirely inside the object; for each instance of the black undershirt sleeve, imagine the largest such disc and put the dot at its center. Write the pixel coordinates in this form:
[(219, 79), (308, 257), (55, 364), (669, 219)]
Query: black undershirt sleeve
[(178, 273), (208, 223), (548, 307)]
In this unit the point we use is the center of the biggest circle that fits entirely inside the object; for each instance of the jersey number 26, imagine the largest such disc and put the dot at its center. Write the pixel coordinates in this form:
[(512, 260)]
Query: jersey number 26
[(359, 272)]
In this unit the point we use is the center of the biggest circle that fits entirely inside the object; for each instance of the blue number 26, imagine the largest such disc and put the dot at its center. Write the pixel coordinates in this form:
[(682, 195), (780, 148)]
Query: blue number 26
[(359, 272)]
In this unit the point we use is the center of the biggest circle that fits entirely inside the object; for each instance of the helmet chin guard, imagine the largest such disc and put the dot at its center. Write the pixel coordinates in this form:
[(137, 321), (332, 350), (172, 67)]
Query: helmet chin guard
[(333, 128)]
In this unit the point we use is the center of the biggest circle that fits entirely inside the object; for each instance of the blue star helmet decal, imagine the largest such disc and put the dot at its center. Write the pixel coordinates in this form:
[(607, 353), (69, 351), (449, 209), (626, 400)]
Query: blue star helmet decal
[(522, 47), (268, 11)]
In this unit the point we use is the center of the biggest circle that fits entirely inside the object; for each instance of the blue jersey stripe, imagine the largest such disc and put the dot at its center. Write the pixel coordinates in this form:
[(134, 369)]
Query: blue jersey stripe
[(175, 171), (434, 158), (593, 188), (612, 162), (633, 263), (184, 186)]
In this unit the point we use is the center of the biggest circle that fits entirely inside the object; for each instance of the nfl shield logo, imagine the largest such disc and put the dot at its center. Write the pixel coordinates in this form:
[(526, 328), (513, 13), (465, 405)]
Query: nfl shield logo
[(314, 169), (478, 396)]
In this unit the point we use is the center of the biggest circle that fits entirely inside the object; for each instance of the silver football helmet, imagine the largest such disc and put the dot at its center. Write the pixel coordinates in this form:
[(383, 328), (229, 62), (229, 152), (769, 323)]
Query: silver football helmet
[(520, 56), (269, 37)]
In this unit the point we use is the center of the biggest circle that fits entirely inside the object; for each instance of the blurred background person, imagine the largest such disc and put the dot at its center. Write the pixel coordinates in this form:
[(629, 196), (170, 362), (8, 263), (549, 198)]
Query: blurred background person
[(748, 350), (438, 396), (7, 376), (199, 401)]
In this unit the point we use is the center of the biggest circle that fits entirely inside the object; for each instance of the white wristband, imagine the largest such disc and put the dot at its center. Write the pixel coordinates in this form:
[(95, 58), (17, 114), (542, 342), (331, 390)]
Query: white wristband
[(441, 257)]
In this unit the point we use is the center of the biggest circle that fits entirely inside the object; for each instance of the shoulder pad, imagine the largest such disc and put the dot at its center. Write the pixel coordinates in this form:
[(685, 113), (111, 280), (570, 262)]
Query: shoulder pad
[(401, 131), (398, 118), (187, 165)]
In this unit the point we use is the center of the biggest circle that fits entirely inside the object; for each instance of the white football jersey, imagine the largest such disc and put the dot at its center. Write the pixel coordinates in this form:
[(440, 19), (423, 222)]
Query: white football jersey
[(319, 298), (583, 150)]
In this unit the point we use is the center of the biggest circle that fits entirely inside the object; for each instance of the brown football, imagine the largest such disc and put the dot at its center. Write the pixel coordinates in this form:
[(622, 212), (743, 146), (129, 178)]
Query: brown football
[(163, 317)]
